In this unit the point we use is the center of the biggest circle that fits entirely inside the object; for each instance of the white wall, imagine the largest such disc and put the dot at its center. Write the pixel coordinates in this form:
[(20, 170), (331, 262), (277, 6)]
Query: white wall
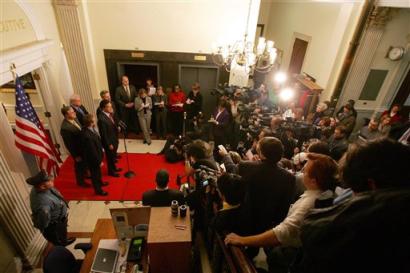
[(327, 26), (178, 26), (40, 23)]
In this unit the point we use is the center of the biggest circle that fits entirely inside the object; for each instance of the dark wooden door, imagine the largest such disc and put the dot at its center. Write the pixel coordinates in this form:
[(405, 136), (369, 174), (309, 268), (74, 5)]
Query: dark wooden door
[(298, 55), (138, 73), (207, 78), (403, 95)]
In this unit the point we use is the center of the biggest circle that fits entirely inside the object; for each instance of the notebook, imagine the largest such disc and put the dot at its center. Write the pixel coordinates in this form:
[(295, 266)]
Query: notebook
[(105, 261)]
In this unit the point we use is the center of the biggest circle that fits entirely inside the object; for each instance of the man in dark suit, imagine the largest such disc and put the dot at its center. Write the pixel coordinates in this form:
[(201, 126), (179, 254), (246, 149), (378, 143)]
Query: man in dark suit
[(270, 189), (93, 153), (109, 138), (124, 97), (71, 133), (105, 95), (75, 103), (162, 196)]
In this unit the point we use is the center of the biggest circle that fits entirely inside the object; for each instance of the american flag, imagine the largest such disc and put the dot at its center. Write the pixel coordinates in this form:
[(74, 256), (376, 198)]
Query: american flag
[(30, 134)]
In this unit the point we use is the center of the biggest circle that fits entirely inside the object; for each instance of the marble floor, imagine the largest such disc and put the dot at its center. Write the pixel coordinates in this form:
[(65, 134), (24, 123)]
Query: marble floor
[(137, 146)]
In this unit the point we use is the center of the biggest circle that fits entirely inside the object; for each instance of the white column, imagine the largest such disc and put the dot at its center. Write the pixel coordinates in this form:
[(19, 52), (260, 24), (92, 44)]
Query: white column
[(364, 56), (15, 214), (68, 19), (361, 64), (51, 104)]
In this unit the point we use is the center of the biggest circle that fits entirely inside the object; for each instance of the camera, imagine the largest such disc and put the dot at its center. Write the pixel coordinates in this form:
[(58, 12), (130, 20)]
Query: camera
[(205, 176)]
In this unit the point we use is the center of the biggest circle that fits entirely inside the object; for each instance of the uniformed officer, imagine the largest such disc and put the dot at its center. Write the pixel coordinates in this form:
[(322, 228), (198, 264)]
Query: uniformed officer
[(49, 209)]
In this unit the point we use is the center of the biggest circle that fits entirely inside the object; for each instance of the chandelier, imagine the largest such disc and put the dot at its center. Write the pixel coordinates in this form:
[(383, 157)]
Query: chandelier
[(244, 53)]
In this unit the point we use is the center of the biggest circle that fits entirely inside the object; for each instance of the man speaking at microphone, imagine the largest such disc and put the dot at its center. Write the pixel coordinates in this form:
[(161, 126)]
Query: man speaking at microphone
[(109, 138)]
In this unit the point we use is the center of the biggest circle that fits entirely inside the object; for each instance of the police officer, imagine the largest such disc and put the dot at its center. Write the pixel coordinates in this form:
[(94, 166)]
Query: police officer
[(49, 209)]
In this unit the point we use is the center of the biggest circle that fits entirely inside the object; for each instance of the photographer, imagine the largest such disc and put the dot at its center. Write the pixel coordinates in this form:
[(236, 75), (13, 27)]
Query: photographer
[(200, 165), (173, 149)]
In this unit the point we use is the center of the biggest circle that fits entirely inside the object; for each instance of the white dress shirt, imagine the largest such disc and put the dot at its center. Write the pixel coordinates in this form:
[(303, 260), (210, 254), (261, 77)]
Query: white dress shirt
[(288, 232)]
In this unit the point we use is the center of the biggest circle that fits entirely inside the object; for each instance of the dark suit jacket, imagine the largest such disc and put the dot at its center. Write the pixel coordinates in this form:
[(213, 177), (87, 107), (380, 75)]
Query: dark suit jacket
[(80, 116), (108, 131), (121, 96), (223, 121), (270, 192), (92, 146), (156, 198), (72, 138)]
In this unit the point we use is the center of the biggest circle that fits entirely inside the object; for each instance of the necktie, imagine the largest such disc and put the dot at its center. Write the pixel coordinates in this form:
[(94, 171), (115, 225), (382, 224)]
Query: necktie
[(76, 125), (111, 118), (80, 110), (95, 131), (127, 88)]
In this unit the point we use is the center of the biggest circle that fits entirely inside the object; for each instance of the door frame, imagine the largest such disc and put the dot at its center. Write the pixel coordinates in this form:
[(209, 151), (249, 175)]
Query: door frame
[(300, 36), (119, 64)]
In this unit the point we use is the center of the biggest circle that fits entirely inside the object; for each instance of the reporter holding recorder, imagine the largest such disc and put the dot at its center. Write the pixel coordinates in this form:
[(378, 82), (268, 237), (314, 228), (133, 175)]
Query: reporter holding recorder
[(143, 105)]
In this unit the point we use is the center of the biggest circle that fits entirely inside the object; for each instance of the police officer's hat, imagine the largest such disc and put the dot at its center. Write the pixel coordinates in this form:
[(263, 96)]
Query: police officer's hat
[(42, 176)]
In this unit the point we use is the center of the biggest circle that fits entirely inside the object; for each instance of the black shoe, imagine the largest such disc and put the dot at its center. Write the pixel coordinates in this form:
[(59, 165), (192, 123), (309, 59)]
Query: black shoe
[(69, 241), (145, 142), (104, 183), (114, 174), (118, 169), (101, 192), (149, 143)]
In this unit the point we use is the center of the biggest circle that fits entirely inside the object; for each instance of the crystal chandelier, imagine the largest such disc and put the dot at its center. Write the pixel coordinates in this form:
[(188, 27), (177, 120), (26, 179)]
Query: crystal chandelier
[(260, 57)]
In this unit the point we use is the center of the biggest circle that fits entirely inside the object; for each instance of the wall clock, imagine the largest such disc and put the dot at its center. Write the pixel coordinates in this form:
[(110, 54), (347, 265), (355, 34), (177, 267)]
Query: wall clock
[(395, 53)]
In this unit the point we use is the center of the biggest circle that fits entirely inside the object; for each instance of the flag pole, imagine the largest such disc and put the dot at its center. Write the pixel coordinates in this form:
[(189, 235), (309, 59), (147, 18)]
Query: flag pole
[(13, 71)]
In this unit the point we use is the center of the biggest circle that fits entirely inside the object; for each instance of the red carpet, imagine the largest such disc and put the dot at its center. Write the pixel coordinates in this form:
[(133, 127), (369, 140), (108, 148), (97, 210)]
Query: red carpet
[(120, 188)]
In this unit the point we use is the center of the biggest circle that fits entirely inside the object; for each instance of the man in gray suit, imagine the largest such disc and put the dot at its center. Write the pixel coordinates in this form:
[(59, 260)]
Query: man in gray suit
[(124, 97), (143, 106)]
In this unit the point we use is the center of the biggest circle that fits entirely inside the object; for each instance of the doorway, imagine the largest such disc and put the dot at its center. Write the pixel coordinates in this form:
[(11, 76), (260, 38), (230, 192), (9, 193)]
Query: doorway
[(138, 73), (207, 77), (403, 95), (298, 56)]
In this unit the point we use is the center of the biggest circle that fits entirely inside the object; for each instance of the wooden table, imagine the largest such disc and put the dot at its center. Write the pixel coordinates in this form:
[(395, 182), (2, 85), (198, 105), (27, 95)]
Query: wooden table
[(169, 245), (104, 229)]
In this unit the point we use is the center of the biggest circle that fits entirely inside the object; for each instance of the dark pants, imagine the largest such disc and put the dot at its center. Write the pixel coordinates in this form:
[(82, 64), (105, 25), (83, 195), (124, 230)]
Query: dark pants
[(129, 117), (96, 175), (56, 233), (176, 118), (110, 156), (161, 123), (79, 168), (279, 258)]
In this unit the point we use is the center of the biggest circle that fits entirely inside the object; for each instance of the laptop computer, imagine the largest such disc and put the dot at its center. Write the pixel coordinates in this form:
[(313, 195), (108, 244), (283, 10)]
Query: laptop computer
[(105, 261)]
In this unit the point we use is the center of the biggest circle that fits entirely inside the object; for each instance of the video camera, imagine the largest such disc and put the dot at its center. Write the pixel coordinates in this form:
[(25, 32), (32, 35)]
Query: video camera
[(205, 176), (302, 131)]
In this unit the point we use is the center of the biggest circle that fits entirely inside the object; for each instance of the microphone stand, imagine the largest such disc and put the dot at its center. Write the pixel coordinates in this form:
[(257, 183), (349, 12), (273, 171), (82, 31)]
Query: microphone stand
[(129, 174), (183, 126)]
